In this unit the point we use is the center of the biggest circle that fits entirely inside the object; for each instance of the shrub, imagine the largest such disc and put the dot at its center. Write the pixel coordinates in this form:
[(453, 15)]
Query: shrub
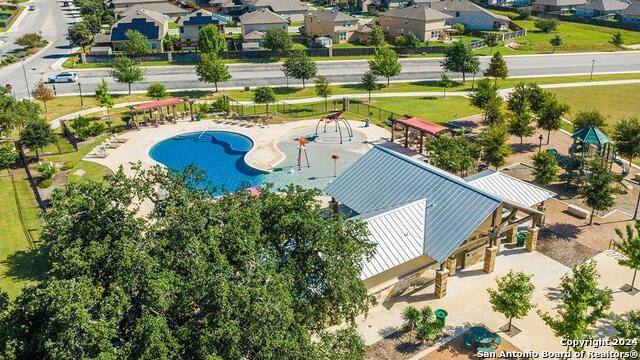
[(546, 25), (459, 27), (83, 127), (46, 170), (126, 118), (524, 14), (45, 183), (31, 40), (68, 165)]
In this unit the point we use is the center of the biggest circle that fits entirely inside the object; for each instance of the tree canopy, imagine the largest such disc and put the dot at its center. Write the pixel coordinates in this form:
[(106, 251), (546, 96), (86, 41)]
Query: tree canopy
[(458, 58), (484, 92), (126, 71), (156, 91), (585, 118), (369, 82), (136, 43), (264, 95), (376, 38), (626, 135), (210, 68), (80, 35), (16, 113), (211, 40), (454, 154), (241, 277), (385, 63), (550, 116), (36, 135), (597, 188), (628, 327), (497, 68), (277, 40), (512, 298), (629, 246), (43, 93), (495, 146), (545, 168), (300, 66)]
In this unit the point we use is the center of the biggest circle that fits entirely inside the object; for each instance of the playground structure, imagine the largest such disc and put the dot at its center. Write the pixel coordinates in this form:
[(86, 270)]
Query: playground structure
[(302, 147), (338, 120)]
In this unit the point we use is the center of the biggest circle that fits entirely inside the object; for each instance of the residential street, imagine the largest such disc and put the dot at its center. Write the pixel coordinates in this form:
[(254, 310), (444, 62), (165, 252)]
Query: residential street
[(183, 77)]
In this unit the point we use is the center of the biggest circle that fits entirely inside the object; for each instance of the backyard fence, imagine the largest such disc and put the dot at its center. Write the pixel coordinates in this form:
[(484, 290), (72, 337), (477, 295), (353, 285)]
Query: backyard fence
[(66, 132), (32, 182), (593, 21)]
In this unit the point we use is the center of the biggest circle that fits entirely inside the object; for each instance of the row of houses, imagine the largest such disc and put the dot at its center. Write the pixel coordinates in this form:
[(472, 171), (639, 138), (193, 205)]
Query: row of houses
[(624, 10)]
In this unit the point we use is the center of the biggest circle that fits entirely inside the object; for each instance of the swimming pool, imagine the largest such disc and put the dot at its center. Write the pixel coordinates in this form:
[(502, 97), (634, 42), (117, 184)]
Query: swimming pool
[(220, 154)]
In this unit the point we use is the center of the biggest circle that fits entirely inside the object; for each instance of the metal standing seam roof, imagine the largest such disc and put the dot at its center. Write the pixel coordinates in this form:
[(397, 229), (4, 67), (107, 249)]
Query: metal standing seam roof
[(510, 188), (591, 135), (384, 179), (398, 235)]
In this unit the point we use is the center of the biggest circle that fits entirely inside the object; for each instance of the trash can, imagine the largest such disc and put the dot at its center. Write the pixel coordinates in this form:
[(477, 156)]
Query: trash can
[(441, 315), (520, 238), (198, 118)]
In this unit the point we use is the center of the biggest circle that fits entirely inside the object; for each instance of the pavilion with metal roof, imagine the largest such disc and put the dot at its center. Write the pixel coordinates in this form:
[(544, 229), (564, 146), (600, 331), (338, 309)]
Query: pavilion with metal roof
[(510, 188), (424, 127)]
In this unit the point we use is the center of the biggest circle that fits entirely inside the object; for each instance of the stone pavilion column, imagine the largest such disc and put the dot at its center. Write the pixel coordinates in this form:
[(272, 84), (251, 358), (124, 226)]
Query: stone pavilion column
[(441, 283), (490, 259)]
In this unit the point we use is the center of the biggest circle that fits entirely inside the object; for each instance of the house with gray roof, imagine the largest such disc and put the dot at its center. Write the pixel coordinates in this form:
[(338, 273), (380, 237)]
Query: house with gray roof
[(123, 4), (338, 26), (292, 10), (167, 9), (632, 13), (424, 22), (471, 15), (423, 219), (191, 25), (153, 25), (597, 8), (262, 20), (556, 6)]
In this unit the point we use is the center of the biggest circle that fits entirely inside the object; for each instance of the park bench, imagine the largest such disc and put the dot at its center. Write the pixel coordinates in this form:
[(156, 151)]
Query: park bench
[(578, 211)]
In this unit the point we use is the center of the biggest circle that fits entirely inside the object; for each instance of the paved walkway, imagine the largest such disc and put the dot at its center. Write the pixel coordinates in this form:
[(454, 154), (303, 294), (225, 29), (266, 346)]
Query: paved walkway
[(467, 300)]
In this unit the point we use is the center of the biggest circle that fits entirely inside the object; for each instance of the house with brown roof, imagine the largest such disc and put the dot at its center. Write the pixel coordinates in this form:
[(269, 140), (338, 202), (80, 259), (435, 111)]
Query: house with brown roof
[(191, 25), (338, 26), (122, 4), (471, 15), (153, 25), (258, 22), (597, 8), (292, 10), (556, 6), (427, 24), (632, 13), (167, 9)]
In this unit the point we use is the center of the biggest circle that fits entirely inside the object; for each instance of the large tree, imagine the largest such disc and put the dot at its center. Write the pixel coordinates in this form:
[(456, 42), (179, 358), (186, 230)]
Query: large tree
[(626, 135), (495, 148), (211, 40), (456, 155), (512, 298), (385, 63), (136, 43), (126, 71), (629, 246), (16, 113), (244, 276), (597, 188), (210, 68), (545, 168), (264, 95), (583, 304), (497, 68), (483, 93), (300, 66), (585, 118), (80, 35), (550, 116), (277, 40), (520, 124), (36, 135), (459, 59)]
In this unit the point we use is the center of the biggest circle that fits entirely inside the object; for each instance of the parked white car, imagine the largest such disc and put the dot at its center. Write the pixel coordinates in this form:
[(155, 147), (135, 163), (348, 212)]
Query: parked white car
[(66, 76)]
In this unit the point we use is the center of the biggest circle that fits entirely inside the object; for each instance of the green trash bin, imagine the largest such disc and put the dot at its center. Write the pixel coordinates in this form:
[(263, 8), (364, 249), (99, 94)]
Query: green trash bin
[(441, 316), (520, 238), (198, 118)]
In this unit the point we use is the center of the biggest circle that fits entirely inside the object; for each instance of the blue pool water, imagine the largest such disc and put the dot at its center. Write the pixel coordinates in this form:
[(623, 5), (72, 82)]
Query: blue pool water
[(219, 154)]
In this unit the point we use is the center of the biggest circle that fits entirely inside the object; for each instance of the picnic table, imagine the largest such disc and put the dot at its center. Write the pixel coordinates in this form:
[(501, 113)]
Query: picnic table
[(482, 339)]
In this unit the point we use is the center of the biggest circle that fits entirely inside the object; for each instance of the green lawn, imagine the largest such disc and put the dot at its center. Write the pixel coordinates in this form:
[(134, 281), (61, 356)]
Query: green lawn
[(93, 171), (172, 25), (20, 264), (615, 101), (434, 109), (20, 10)]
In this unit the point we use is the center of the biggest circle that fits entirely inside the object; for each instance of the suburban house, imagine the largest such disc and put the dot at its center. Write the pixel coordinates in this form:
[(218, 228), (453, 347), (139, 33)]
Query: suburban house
[(471, 15), (167, 9), (225, 7), (338, 26), (153, 25), (396, 4), (292, 10), (512, 3), (261, 20), (427, 223), (123, 4), (191, 24), (426, 23), (597, 8), (632, 13), (555, 6)]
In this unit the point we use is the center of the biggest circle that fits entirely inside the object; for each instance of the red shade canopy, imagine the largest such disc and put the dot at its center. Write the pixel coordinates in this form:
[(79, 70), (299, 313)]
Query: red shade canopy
[(160, 103), (423, 125)]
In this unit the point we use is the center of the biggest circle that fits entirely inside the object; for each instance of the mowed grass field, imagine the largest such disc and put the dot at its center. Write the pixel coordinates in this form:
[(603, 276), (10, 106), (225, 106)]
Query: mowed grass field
[(615, 101)]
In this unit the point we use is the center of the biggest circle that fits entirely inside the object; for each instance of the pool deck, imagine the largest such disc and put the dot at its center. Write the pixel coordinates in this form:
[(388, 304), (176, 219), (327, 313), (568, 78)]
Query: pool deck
[(264, 155)]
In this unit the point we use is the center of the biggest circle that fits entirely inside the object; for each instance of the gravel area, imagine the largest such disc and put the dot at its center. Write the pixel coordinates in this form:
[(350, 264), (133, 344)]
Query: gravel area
[(455, 349)]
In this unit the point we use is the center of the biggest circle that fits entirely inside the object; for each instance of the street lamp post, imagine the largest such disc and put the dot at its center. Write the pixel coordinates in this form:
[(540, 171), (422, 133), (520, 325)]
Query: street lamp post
[(80, 89), (593, 64), (540, 144), (635, 214), (26, 82)]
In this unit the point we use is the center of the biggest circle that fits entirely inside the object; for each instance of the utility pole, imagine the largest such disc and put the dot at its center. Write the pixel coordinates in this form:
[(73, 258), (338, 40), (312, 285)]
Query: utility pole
[(593, 64), (80, 89), (26, 82)]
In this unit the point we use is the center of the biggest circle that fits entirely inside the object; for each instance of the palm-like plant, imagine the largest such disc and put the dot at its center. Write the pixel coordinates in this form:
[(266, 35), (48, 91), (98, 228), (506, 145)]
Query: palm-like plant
[(411, 316), (428, 330)]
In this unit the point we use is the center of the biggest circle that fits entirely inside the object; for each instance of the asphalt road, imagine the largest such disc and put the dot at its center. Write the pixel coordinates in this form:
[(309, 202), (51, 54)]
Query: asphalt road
[(51, 20), (183, 77)]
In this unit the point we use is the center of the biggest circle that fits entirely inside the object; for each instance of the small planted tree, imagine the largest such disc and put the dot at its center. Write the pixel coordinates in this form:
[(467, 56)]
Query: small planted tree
[(545, 168), (453, 154), (512, 298), (43, 93), (211, 40), (583, 304), (103, 98), (629, 246), (628, 327), (617, 39), (491, 41), (520, 124), (597, 188), (300, 66), (550, 116), (556, 42), (8, 154), (445, 82), (376, 38), (322, 89), (459, 59), (483, 93), (385, 63), (494, 145), (80, 35), (494, 112), (156, 91), (264, 95), (211, 69), (497, 68), (126, 71), (170, 42), (369, 82), (626, 135), (277, 40), (36, 135), (546, 25), (136, 43)]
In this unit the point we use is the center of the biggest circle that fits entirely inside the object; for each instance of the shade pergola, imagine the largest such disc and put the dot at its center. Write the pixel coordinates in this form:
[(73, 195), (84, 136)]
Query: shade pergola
[(170, 104), (421, 125)]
